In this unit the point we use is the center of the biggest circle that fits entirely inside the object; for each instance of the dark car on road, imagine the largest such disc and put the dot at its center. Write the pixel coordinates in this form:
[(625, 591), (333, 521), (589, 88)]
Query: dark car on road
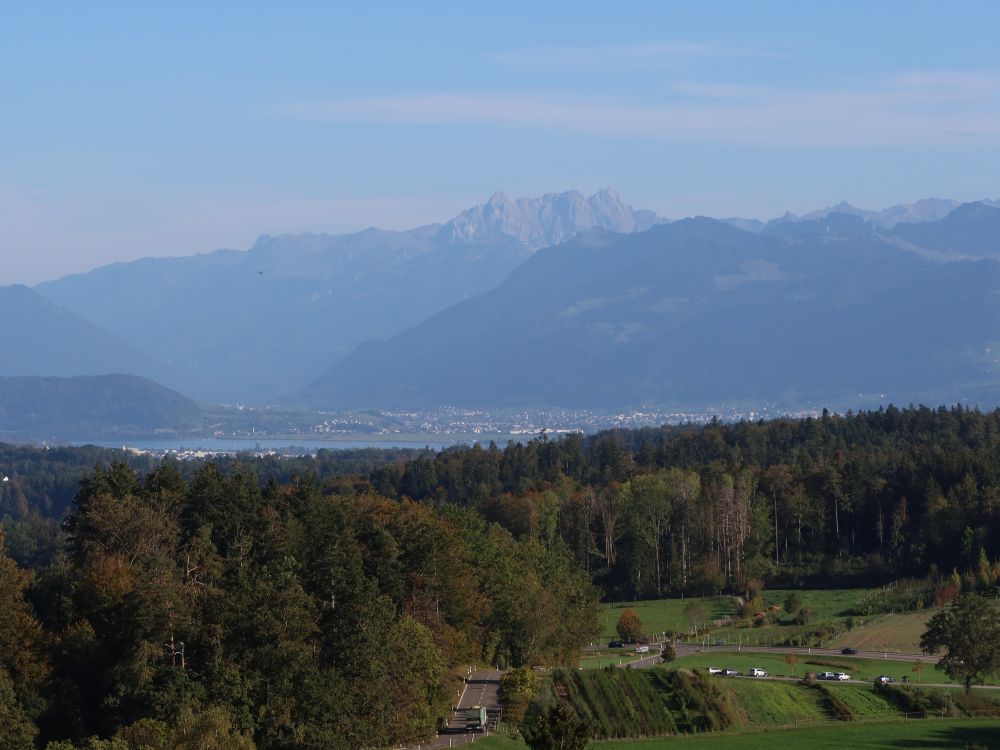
[(616, 644), (849, 651)]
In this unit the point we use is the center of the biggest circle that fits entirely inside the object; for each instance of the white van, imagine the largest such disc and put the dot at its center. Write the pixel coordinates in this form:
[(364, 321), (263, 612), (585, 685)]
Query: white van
[(843, 677)]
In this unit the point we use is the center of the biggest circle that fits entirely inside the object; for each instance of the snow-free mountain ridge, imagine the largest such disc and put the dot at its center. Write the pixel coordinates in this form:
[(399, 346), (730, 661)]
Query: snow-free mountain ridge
[(258, 325), (699, 313)]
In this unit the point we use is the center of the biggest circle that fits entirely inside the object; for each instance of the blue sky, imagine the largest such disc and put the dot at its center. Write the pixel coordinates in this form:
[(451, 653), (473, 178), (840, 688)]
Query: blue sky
[(129, 130)]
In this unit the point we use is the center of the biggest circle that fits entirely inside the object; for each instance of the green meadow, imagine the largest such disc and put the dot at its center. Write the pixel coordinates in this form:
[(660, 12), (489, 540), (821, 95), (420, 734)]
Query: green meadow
[(834, 625), (881, 735)]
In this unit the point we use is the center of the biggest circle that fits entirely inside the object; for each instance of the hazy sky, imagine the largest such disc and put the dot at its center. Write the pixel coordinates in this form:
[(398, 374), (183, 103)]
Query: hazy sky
[(129, 130)]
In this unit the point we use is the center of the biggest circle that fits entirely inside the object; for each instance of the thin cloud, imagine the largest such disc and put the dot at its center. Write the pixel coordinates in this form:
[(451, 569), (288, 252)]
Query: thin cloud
[(639, 54), (920, 108)]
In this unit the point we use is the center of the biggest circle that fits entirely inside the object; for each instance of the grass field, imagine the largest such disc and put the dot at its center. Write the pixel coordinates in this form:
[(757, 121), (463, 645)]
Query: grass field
[(660, 615), (863, 702), (866, 735), (828, 603), (890, 735), (777, 703), (900, 633)]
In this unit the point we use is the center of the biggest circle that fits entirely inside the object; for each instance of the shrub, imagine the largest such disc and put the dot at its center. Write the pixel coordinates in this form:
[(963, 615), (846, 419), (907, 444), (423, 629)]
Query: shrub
[(913, 700), (517, 688), (793, 604), (947, 593), (805, 616)]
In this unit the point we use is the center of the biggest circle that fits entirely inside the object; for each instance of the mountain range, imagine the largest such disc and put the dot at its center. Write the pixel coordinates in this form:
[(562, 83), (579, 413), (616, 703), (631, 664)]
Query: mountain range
[(560, 300), (260, 324), (698, 313)]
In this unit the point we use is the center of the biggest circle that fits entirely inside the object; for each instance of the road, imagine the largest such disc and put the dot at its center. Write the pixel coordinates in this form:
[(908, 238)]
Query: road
[(482, 688), (857, 682), (685, 650)]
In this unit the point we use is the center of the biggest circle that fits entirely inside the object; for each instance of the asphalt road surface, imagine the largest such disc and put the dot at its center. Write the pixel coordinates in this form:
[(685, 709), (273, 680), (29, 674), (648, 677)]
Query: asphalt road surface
[(481, 689), (685, 650)]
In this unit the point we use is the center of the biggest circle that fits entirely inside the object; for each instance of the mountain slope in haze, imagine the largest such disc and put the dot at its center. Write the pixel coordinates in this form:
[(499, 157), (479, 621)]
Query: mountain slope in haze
[(41, 338), (698, 313), (923, 210), (971, 230), (926, 209), (90, 407), (257, 324)]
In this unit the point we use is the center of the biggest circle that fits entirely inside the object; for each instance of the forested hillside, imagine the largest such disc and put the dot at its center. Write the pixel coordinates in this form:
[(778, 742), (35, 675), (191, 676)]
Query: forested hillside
[(284, 616), (92, 406), (860, 498), (293, 604)]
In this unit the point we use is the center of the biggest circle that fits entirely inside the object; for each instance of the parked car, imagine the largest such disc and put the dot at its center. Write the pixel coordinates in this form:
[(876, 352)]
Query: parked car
[(849, 651), (843, 676), (757, 672), (885, 679), (727, 672), (616, 644), (714, 670), (826, 676), (642, 649)]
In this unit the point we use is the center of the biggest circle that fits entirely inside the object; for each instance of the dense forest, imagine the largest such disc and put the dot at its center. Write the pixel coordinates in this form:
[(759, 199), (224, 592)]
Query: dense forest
[(275, 617), (855, 499), (43, 480), (331, 601)]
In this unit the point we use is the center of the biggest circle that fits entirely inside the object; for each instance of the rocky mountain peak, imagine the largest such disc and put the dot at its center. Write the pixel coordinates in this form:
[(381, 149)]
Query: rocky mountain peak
[(544, 221)]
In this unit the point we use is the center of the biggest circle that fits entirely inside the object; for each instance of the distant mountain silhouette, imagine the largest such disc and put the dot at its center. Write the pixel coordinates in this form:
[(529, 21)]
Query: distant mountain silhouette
[(972, 229), (257, 324), (699, 313), (41, 338), (90, 407)]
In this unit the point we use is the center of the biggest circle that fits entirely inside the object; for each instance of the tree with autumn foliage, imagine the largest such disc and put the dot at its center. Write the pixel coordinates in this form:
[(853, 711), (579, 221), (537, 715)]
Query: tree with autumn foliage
[(629, 626)]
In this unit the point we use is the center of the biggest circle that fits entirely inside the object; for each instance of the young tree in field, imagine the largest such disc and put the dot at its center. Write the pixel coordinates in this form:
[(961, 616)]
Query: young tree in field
[(805, 616), (667, 652), (918, 667), (629, 626), (969, 632), (793, 603), (791, 660), (694, 613)]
